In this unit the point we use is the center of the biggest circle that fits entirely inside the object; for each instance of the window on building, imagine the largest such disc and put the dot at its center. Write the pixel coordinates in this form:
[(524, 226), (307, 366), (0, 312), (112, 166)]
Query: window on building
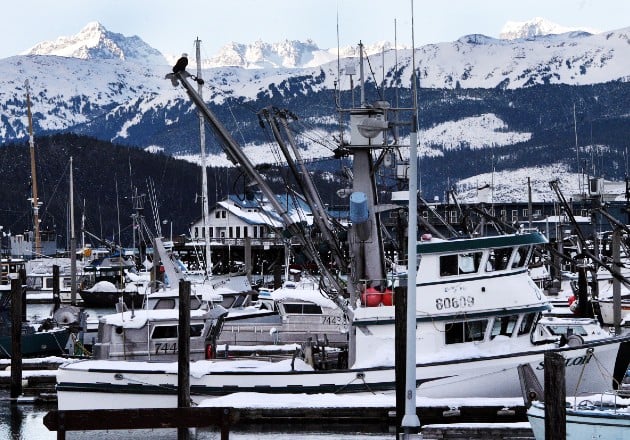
[(453, 216), (217, 214), (230, 232), (525, 213), (245, 234), (238, 232), (255, 231), (515, 215), (223, 214), (196, 232)]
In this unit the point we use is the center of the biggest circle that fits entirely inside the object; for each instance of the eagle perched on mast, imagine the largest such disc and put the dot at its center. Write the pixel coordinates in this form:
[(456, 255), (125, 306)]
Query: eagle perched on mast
[(181, 64)]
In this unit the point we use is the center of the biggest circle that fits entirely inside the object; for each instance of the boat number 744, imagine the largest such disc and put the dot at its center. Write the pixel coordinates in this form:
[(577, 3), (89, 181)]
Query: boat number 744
[(165, 347)]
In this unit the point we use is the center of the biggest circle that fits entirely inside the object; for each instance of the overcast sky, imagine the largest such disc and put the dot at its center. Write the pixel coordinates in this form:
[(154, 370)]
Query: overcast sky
[(172, 26)]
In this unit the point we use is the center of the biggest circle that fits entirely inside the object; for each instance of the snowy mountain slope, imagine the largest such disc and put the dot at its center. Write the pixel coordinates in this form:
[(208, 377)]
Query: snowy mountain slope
[(537, 26), (291, 54), (69, 92), (91, 86), (96, 42)]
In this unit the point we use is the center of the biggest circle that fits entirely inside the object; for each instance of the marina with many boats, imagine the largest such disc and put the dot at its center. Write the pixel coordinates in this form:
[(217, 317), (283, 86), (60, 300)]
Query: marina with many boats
[(403, 338)]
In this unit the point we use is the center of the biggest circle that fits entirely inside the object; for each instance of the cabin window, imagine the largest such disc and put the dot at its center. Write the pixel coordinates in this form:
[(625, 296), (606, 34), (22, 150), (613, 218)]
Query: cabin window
[(195, 303), (498, 259), (164, 332), (526, 324), (522, 256), (227, 301), (503, 326), (165, 304), (460, 263), (49, 283), (302, 308), (195, 330), (467, 331), (567, 330), (239, 301)]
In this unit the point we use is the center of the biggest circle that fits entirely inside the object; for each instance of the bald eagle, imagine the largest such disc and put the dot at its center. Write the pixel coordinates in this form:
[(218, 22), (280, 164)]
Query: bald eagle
[(181, 64)]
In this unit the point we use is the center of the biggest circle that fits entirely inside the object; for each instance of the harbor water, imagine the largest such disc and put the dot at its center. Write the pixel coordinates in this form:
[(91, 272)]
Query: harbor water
[(26, 421)]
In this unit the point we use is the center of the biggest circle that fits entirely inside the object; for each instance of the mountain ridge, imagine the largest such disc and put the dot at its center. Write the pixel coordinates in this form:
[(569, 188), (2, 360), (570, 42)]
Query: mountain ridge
[(474, 91)]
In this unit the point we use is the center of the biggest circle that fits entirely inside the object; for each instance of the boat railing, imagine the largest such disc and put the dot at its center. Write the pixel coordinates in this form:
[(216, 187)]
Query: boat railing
[(607, 400)]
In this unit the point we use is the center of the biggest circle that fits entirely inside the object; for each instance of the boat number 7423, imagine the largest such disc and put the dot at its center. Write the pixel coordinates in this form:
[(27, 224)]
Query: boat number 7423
[(455, 302), (333, 320)]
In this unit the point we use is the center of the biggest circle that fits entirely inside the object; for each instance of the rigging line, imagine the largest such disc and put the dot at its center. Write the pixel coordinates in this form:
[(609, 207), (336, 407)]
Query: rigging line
[(45, 210)]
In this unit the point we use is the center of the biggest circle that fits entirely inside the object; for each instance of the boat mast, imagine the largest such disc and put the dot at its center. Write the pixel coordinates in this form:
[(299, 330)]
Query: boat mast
[(73, 244), (34, 199), (410, 420), (204, 169)]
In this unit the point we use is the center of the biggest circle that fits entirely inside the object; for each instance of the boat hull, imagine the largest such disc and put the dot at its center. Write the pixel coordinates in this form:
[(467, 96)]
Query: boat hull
[(584, 424), (110, 299), (124, 385), (50, 343)]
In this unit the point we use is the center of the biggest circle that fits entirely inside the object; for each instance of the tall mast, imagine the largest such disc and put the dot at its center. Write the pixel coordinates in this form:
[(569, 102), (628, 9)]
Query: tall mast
[(204, 170), (34, 199), (73, 244)]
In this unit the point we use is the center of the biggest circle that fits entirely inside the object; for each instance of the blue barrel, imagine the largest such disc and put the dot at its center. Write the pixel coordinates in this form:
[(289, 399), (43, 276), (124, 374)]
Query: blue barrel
[(358, 208)]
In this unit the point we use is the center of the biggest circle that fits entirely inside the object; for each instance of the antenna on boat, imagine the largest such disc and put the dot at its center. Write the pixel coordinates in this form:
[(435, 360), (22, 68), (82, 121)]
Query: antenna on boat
[(34, 199), (73, 244), (410, 419), (204, 170)]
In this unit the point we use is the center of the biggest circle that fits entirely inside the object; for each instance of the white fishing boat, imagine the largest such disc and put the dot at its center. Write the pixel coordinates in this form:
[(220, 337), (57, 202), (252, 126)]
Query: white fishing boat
[(293, 314), (476, 314), (152, 335), (606, 418)]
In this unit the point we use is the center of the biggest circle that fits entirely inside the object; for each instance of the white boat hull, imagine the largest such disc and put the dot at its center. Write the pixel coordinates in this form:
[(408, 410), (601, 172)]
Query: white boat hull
[(115, 385), (585, 424)]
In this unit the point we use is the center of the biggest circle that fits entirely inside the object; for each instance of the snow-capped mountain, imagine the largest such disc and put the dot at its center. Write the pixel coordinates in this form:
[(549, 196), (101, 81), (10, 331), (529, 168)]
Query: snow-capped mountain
[(535, 27), (95, 42), (287, 53), (112, 87)]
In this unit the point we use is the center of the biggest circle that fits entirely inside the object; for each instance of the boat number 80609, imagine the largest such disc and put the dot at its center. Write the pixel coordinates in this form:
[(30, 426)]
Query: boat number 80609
[(456, 302)]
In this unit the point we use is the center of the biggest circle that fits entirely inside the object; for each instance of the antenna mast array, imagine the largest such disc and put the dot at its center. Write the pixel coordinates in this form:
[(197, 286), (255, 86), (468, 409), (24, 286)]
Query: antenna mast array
[(34, 199)]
